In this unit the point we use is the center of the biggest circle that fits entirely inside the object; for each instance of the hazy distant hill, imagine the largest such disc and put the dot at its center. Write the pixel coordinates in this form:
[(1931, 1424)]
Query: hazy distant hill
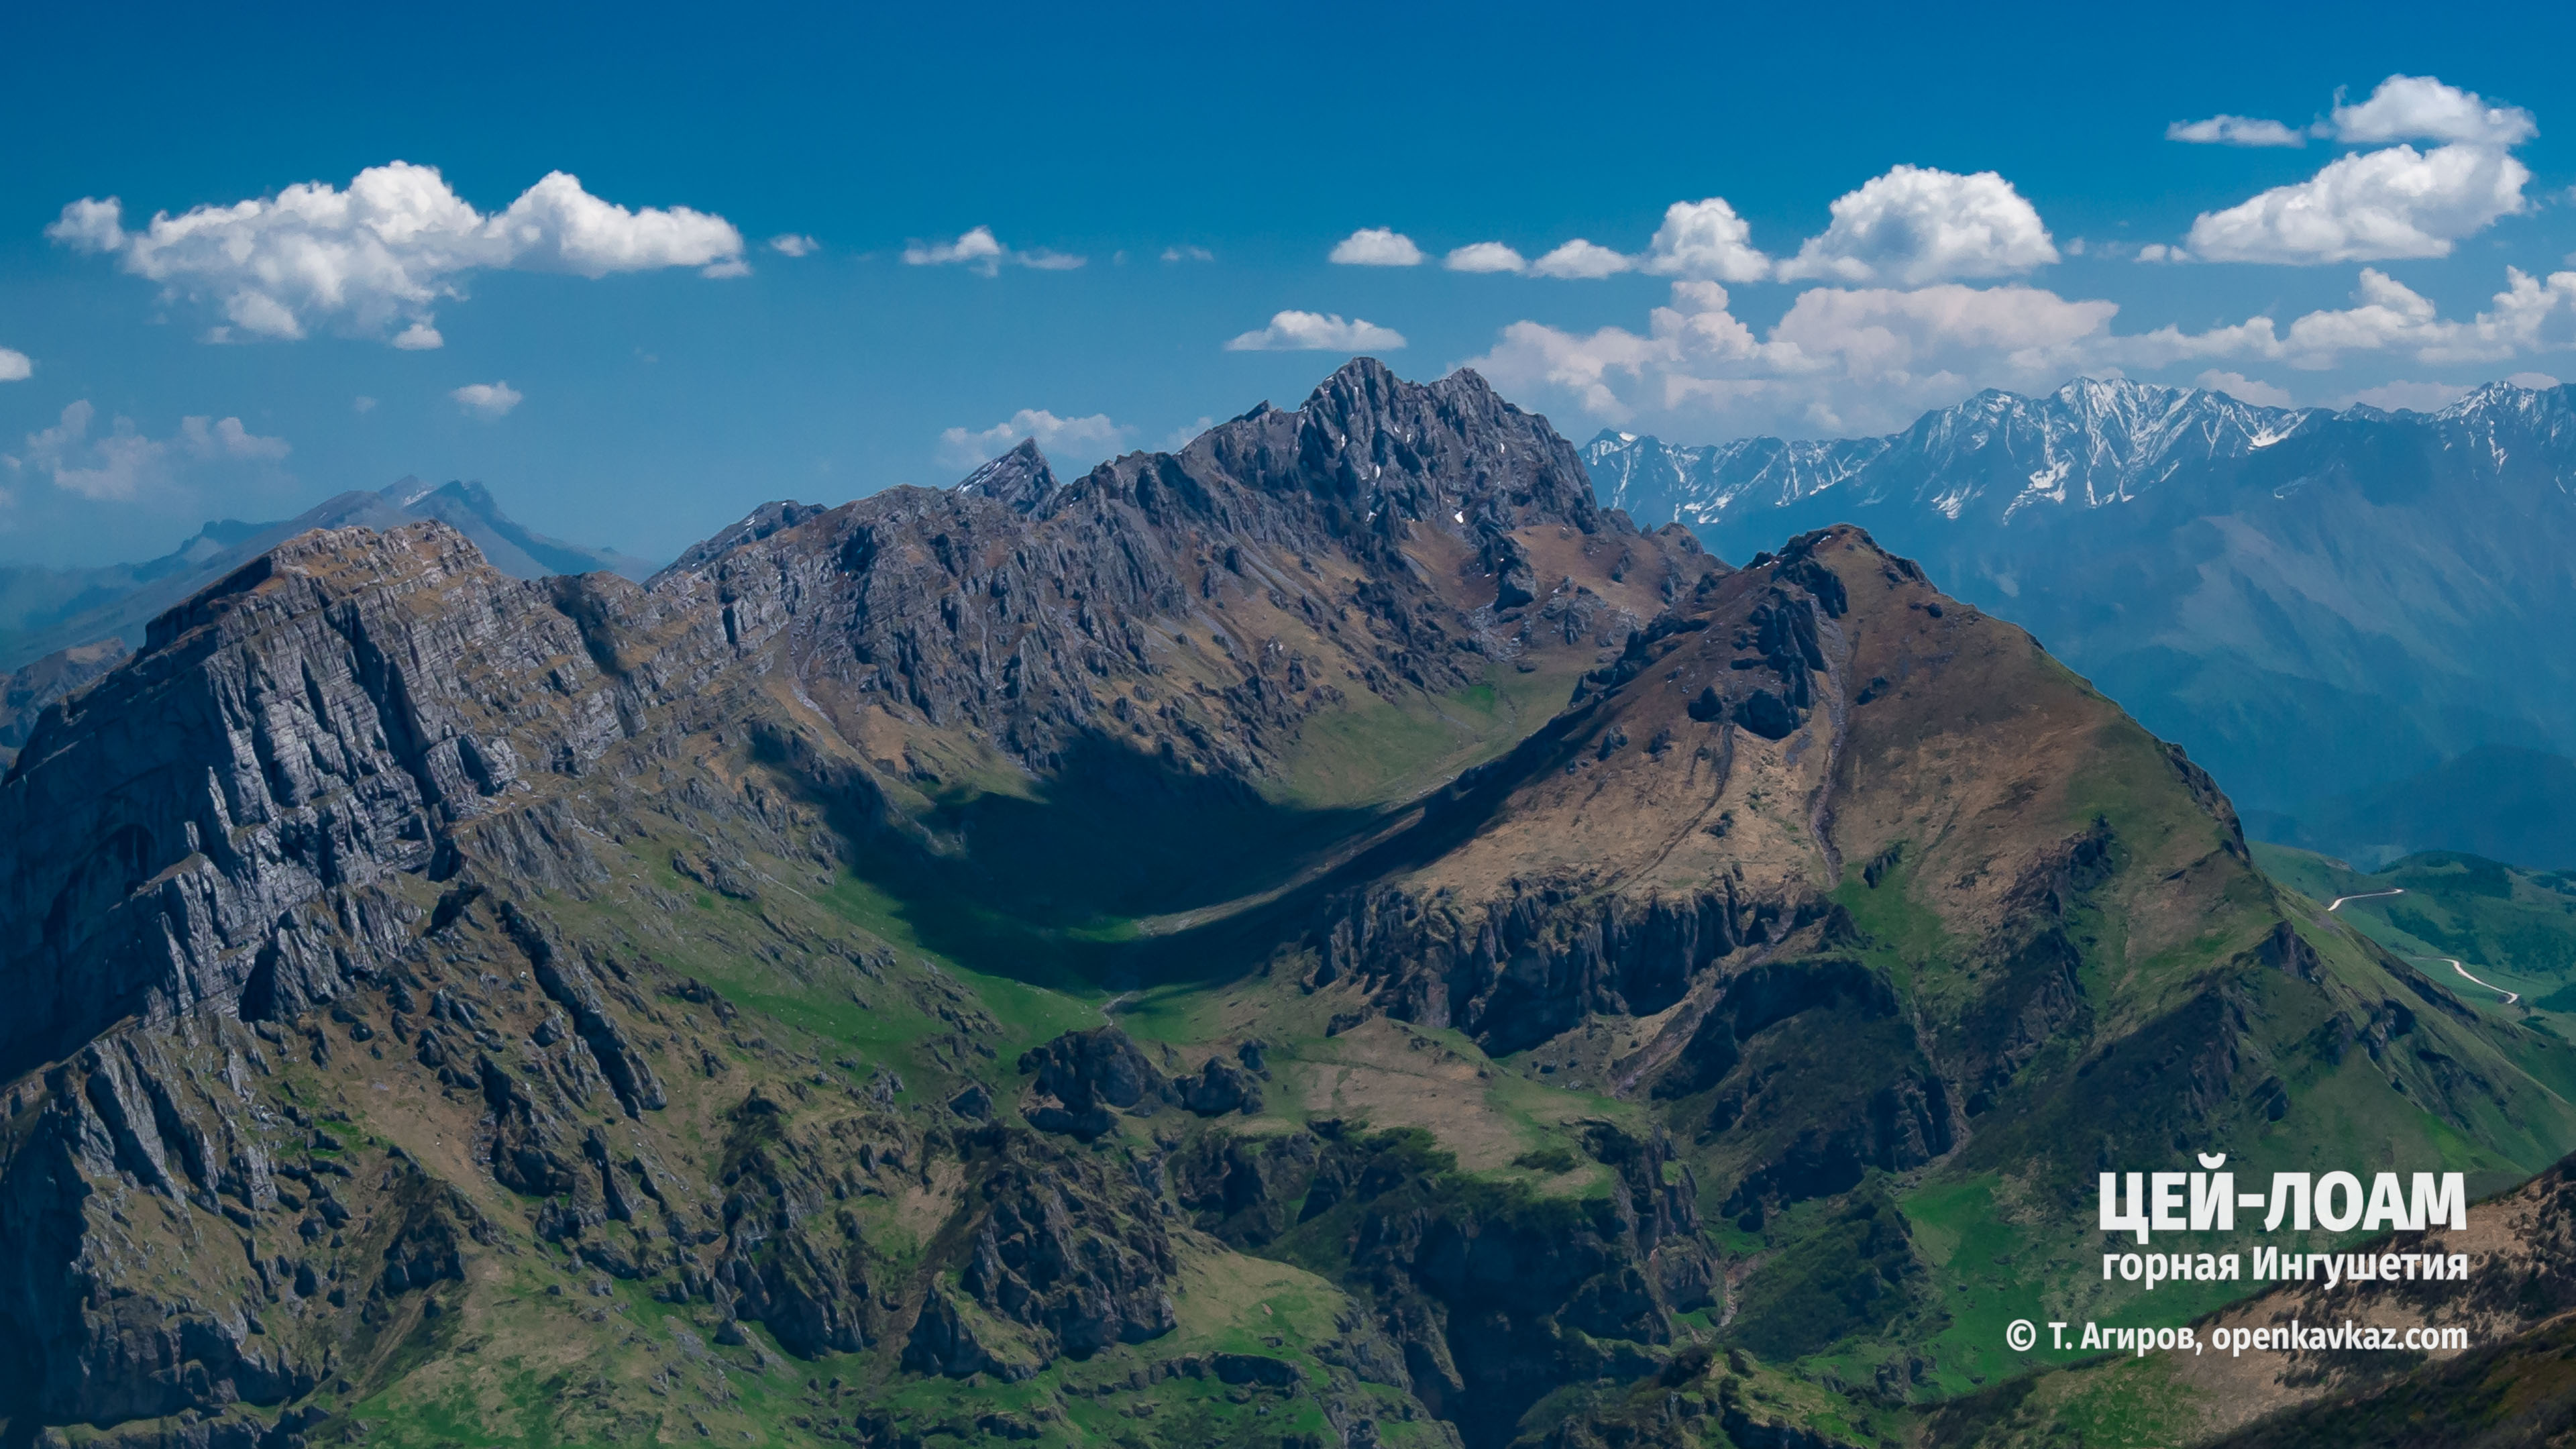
[(2496, 801), (2310, 602), (43, 610)]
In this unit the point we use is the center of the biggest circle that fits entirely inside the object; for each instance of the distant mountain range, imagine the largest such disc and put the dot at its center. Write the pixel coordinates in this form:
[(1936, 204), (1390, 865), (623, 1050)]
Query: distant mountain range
[(60, 628), (2312, 602)]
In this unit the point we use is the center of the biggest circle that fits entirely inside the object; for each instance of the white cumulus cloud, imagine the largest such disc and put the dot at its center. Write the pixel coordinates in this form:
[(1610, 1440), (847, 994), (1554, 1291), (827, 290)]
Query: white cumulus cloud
[(1708, 241), (2371, 206), (15, 365), (488, 399), (2421, 108), (1485, 256), (125, 463), (1376, 246), (2236, 131), (1063, 440), (1581, 260), (2375, 205), (1188, 254), (1916, 224), (377, 258), (979, 250), (794, 244), (1317, 332)]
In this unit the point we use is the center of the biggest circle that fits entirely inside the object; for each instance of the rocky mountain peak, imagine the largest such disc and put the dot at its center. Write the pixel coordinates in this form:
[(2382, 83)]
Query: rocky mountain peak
[(1019, 478), (760, 523), (1378, 453)]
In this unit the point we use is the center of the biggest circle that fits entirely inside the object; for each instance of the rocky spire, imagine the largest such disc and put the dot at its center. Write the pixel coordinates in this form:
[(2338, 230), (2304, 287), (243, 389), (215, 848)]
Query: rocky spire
[(1019, 478)]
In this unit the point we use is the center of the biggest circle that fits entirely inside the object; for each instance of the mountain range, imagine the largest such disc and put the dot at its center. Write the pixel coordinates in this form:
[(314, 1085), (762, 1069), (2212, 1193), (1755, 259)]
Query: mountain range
[(2312, 602), (1326, 936), (60, 627)]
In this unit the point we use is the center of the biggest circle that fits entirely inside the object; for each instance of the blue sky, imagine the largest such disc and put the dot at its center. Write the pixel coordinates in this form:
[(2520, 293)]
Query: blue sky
[(1997, 178)]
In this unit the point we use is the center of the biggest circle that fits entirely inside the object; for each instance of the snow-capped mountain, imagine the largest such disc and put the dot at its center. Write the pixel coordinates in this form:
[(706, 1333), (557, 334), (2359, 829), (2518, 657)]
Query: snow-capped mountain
[(2309, 600), (2092, 443)]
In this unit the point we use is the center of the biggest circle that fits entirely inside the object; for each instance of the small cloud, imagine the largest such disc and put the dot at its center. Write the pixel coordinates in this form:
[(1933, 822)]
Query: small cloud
[(111, 469), (419, 337), (1485, 257), (362, 404), (1086, 439), (1186, 434), (2074, 248), (2421, 108), (15, 366), (794, 244), (228, 439), (1317, 332), (125, 463), (1581, 260), (979, 250), (2533, 380), (729, 267), (2236, 131), (1188, 254), (1376, 246), (488, 399), (2242, 388), (2154, 252)]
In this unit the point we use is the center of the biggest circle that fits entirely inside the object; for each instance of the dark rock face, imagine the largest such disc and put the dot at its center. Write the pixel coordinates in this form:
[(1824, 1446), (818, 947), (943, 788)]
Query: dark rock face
[(1080, 1076), (1220, 1087), (1533, 961), (789, 1257), (1086, 1073), (1064, 1256)]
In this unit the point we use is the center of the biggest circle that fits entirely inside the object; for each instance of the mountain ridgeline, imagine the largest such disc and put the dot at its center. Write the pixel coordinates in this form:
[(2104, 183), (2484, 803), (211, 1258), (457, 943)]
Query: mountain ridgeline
[(59, 626), (1327, 936), (2312, 602)]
